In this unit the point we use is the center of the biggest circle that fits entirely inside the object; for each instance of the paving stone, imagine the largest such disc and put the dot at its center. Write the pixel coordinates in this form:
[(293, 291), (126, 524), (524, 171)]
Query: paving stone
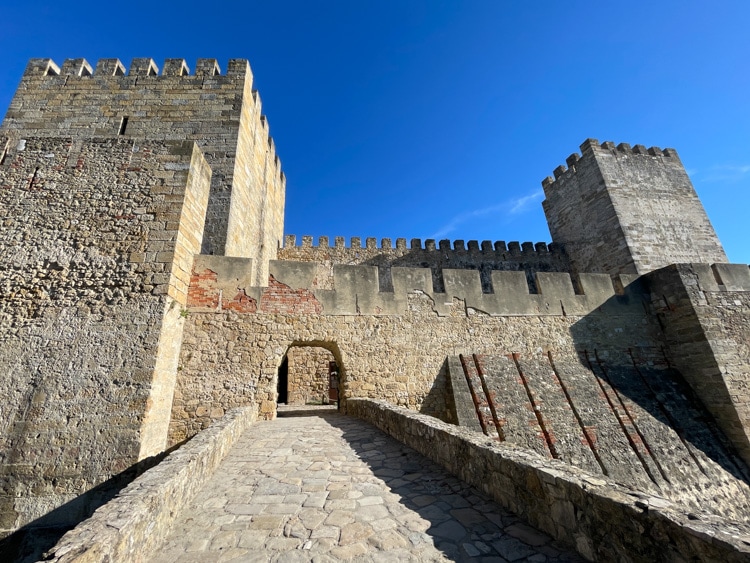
[(349, 551), (450, 529), (293, 509), (267, 521), (339, 518), (281, 508), (242, 525), (326, 532), (352, 533), (468, 516), (244, 508), (316, 500), (252, 539), (312, 518), (387, 540), (383, 524), (370, 513), (295, 557), (224, 540), (268, 499), (283, 544), (512, 549), (470, 550), (527, 534), (295, 499), (370, 500), (423, 500)]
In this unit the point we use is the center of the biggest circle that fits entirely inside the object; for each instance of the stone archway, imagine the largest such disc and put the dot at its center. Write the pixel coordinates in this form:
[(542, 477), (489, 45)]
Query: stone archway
[(310, 373)]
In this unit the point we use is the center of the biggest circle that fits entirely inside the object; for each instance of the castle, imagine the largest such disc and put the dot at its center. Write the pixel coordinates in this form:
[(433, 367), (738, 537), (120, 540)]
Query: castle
[(147, 288)]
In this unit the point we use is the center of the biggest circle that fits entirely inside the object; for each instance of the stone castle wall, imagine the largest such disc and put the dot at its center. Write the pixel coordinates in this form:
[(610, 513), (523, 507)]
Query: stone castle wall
[(308, 375), (96, 245), (390, 345), (627, 210), (119, 338), (580, 377), (220, 112), (484, 258), (705, 312), (621, 417)]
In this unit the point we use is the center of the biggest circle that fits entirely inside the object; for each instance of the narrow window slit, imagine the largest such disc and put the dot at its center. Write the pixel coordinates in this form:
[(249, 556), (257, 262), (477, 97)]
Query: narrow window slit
[(123, 125)]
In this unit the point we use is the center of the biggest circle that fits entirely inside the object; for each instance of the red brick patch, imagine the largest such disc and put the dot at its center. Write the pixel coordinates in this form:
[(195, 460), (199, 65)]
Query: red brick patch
[(241, 303), (202, 291), (280, 298)]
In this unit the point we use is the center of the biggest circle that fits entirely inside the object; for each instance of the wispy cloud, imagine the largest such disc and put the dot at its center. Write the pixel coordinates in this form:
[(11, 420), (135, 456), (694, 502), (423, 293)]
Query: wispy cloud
[(724, 173), (514, 206)]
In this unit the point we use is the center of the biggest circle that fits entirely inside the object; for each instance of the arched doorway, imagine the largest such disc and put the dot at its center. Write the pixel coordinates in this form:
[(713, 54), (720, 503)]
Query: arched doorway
[(310, 374)]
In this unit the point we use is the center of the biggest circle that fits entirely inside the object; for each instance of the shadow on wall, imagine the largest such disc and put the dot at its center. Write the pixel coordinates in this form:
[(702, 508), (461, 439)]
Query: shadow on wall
[(650, 399), (28, 543), (439, 399), (655, 430), (513, 258)]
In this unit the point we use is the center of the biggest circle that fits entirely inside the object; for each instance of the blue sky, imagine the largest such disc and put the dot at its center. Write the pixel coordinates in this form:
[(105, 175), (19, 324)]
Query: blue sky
[(435, 119)]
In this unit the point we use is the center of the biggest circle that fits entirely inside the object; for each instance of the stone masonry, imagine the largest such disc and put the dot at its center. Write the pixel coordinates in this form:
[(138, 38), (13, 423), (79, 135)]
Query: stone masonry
[(308, 381), (96, 254), (627, 210), (146, 290), (219, 111)]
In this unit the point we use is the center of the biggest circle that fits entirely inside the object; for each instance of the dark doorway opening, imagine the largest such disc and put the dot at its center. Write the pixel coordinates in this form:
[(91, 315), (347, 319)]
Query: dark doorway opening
[(333, 383), (282, 387)]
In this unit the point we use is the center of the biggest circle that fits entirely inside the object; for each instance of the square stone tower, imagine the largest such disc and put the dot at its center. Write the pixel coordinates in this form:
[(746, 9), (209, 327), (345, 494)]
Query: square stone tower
[(220, 112), (623, 210), (110, 183)]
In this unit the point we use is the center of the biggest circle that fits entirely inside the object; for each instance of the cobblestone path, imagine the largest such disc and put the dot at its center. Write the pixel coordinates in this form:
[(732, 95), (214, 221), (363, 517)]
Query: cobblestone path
[(318, 486)]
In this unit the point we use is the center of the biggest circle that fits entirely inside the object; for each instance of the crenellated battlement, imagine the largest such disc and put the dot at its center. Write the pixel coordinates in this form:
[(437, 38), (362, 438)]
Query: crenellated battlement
[(514, 248), (483, 257), (591, 146), (207, 73), (78, 75), (138, 67), (627, 209)]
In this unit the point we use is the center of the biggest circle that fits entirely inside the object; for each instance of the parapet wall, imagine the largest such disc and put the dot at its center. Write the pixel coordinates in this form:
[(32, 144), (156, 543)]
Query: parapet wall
[(484, 257), (145, 510), (623, 209), (222, 283), (602, 520), (220, 112)]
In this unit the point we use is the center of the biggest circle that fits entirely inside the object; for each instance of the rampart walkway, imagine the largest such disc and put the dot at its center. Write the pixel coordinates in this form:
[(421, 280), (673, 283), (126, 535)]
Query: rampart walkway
[(315, 485)]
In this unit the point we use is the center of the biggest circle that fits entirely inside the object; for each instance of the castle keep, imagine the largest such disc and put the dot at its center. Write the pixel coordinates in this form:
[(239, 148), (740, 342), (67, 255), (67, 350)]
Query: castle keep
[(147, 288)]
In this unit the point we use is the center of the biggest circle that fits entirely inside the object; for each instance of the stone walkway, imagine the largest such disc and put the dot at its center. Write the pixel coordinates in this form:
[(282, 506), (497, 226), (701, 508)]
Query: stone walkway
[(318, 486)]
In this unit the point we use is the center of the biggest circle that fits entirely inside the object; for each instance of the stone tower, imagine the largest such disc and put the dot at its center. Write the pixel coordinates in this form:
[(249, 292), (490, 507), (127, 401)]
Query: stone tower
[(623, 210), (220, 112), (111, 182)]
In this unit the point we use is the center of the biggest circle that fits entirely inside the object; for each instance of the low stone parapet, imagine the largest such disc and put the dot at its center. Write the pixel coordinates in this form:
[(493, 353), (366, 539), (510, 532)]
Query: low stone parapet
[(129, 527), (602, 520)]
